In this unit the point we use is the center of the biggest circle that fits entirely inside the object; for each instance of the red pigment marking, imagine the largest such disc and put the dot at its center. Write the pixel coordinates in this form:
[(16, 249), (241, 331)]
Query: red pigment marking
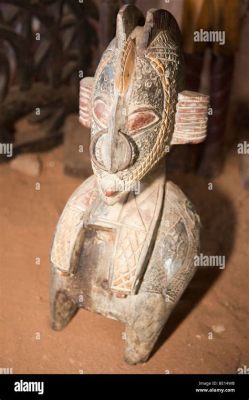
[(109, 193), (139, 120), (101, 111)]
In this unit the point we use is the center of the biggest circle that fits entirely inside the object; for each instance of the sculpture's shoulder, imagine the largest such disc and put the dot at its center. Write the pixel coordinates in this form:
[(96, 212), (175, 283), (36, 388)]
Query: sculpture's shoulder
[(179, 238), (67, 236), (179, 230), (176, 245), (179, 208), (84, 195)]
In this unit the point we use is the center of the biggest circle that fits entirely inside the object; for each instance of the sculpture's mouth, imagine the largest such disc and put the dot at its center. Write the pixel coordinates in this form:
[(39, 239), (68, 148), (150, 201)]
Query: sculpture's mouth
[(111, 198), (111, 188), (110, 193)]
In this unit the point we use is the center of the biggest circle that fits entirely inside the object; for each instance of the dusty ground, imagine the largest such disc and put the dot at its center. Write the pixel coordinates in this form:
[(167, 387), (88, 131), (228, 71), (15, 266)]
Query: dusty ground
[(208, 333)]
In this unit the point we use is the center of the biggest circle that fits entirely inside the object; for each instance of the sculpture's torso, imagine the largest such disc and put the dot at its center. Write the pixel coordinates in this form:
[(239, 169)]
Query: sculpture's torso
[(109, 254)]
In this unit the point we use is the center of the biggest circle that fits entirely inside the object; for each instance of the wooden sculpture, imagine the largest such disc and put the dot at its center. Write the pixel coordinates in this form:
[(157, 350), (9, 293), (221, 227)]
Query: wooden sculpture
[(125, 243)]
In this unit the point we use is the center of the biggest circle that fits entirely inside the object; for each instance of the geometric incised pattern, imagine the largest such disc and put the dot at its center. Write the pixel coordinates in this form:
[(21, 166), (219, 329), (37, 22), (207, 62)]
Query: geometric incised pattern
[(130, 244), (171, 264), (135, 228)]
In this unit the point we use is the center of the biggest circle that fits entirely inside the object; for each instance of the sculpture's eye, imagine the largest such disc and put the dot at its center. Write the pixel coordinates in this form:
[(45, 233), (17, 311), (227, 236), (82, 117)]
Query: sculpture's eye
[(101, 112), (141, 119)]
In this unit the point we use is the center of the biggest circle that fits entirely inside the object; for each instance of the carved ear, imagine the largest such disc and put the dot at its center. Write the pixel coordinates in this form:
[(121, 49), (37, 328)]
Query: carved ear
[(128, 18), (191, 118), (85, 115), (157, 21)]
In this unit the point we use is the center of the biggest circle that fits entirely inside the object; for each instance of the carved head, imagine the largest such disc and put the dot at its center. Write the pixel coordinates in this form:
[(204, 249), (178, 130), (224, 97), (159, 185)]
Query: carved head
[(130, 104)]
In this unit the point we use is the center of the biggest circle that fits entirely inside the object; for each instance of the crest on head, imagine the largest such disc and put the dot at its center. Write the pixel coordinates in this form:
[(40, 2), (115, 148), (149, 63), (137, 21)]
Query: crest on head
[(130, 104)]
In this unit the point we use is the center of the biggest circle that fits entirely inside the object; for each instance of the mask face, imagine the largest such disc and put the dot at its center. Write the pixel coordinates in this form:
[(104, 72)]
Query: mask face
[(133, 100), (125, 124), (128, 120)]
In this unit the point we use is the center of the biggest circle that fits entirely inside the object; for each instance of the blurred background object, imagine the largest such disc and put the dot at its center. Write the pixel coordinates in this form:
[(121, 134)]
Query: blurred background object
[(222, 18), (46, 46), (240, 98)]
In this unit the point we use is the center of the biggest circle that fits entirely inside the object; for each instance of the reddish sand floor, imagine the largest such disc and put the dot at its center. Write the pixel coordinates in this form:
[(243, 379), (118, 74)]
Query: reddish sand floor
[(207, 333)]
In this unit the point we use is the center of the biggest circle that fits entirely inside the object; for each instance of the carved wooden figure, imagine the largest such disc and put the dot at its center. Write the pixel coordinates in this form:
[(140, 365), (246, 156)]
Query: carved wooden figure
[(125, 243)]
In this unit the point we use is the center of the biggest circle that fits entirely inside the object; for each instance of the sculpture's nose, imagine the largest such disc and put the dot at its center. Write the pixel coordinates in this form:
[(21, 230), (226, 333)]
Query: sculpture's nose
[(112, 153), (111, 149), (119, 154)]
